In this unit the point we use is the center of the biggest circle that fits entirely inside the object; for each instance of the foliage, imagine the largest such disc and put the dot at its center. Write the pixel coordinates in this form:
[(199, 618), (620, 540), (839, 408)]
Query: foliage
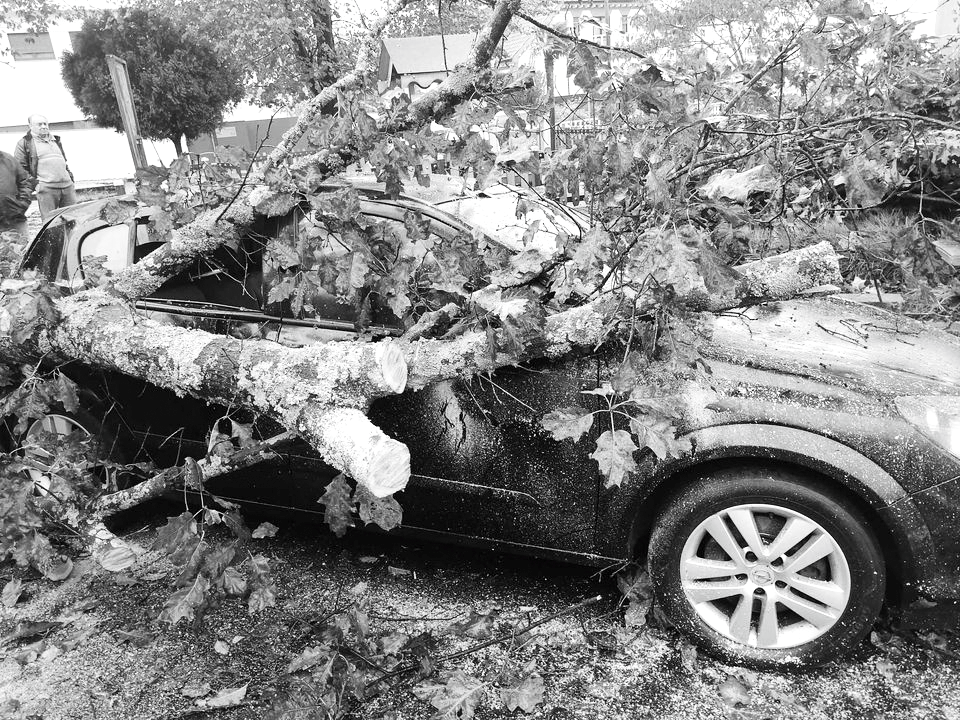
[(284, 49), (749, 136), (441, 18), (180, 85), (33, 15)]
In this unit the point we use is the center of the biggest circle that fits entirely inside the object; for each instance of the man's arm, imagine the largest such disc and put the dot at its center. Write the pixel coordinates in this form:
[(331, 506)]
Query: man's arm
[(22, 156), (24, 186), (60, 145)]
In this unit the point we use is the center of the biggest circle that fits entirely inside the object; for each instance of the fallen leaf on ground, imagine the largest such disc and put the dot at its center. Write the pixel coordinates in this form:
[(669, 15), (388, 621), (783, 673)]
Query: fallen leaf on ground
[(117, 559), (265, 530), (58, 568), (688, 656), (733, 692), (50, 653), (27, 629), (526, 696), (604, 690), (221, 647), (12, 591), (227, 697), (308, 658), (886, 668), (139, 638), (398, 572), (75, 639), (195, 689), (25, 656), (87, 604), (393, 642), (458, 699), (478, 626)]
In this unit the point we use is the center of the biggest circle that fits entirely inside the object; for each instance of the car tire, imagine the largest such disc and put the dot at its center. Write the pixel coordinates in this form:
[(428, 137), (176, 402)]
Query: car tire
[(64, 422), (805, 587)]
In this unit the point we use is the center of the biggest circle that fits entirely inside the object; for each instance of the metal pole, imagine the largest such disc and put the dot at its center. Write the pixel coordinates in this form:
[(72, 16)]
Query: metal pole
[(551, 105), (128, 113)]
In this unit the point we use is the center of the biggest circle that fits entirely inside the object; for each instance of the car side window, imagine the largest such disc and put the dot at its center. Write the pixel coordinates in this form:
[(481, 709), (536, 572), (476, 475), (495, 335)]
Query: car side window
[(112, 243), (309, 271)]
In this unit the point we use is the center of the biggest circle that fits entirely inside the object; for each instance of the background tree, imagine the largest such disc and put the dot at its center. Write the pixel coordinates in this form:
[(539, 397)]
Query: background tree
[(284, 49), (32, 14), (434, 18), (180, 84)]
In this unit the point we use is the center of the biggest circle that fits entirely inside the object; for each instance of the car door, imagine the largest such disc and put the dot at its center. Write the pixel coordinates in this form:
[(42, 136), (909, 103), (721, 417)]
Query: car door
[(482, 465)]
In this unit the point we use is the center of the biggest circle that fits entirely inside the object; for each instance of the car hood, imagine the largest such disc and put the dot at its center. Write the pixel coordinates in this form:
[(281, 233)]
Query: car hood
[(840, 343)]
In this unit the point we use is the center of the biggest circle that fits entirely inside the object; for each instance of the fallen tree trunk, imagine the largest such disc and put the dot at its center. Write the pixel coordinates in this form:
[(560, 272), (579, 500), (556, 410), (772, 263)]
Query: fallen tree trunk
[(321, 392)]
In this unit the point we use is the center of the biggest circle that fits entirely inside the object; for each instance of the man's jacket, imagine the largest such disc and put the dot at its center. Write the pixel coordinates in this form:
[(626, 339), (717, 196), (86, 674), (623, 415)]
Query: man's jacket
[(26, 155), (15, 189)]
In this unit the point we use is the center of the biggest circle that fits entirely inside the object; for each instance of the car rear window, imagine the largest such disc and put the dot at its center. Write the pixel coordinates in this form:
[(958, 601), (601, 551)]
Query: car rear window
[(45, 256), (112, 243)]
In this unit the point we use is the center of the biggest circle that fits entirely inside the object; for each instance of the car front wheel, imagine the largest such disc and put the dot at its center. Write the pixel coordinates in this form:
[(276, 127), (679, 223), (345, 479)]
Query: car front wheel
[(767, 567)]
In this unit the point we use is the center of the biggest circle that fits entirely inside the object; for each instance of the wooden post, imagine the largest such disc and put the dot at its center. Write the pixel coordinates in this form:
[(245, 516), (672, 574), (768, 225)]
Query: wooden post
[(128, 113)]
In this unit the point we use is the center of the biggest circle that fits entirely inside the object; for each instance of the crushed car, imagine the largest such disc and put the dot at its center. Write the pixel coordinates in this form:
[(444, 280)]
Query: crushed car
[(819, 481)]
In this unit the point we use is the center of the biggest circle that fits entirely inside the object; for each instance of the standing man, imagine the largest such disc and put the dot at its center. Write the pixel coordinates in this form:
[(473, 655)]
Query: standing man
[(41, 156), (14, 195)]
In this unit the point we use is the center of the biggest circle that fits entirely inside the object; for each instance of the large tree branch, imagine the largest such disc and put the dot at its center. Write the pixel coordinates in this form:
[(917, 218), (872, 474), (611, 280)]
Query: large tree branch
[(366, 65), (193, 474)]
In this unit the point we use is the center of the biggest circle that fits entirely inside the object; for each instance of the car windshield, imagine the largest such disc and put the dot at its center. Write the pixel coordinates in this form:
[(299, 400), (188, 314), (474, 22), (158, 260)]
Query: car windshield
[(495, 212)]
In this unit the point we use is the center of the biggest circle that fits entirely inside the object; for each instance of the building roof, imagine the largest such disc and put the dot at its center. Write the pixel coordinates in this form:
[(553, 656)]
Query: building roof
[(425, 54)]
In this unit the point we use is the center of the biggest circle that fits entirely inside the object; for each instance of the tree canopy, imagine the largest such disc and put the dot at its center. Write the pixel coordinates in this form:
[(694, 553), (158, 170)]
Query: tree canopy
[(33, 14), (181, 86), (284, 49)]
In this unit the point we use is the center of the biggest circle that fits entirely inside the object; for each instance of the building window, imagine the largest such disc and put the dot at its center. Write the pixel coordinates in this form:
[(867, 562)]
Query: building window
[(31, 46)]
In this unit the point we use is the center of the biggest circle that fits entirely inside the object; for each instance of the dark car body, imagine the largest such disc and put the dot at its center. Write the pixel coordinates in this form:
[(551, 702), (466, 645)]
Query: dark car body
[(808, 384)]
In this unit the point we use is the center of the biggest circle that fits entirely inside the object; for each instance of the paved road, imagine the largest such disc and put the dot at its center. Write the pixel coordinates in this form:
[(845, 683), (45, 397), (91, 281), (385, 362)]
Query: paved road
[(127, 666)]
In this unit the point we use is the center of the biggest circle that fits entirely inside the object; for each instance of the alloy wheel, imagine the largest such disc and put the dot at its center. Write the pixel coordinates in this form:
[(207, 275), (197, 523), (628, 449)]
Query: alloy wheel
[(55, 424), (765, 576)]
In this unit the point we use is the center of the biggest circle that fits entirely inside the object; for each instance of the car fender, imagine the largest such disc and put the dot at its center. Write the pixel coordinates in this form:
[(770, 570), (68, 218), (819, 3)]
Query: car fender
[(632, 510)]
